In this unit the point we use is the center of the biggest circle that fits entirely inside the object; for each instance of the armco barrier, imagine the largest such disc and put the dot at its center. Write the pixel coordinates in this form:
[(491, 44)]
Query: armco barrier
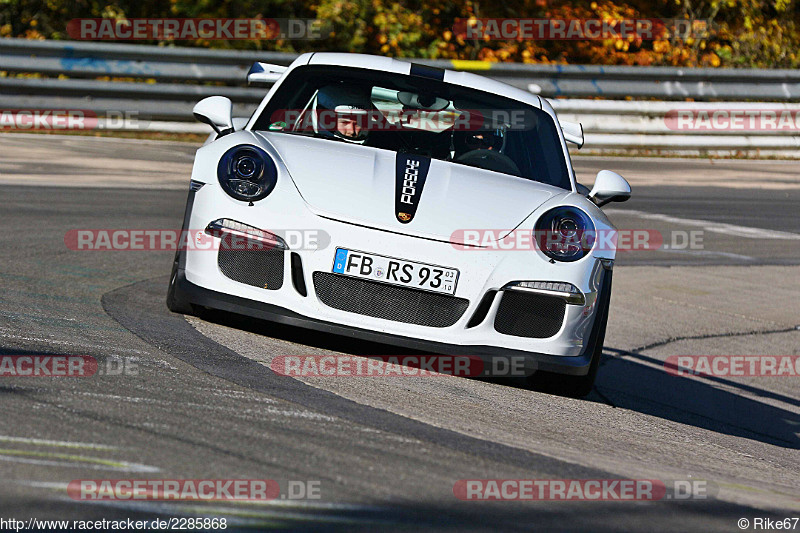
[(77, 74)]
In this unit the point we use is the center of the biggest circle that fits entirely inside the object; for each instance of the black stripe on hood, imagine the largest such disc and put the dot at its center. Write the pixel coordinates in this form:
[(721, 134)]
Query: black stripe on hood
[(410, 174)]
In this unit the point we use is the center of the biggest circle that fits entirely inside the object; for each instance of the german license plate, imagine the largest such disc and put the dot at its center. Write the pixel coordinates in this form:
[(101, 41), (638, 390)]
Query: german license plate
[(395, 271)]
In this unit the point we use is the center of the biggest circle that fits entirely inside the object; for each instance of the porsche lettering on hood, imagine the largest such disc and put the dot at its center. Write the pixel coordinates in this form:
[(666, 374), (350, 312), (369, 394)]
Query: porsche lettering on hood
[(411, 172), (376, 188)]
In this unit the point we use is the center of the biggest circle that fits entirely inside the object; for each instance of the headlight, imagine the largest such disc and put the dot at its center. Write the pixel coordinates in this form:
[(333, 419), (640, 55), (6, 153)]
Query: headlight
[(569, 292), (564, 233), (247, 173)]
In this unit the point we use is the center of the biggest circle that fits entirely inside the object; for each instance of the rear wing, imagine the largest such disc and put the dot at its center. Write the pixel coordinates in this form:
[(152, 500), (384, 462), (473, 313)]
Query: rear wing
[(573, 132), (264, 73)]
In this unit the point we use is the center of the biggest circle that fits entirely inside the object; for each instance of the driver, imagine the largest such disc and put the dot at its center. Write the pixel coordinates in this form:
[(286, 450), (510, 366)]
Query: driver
[(342, 111), (484, 140)]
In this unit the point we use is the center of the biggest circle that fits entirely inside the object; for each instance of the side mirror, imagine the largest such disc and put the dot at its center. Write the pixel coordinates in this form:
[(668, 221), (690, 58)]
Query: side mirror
[(609, 187), (216, 111)]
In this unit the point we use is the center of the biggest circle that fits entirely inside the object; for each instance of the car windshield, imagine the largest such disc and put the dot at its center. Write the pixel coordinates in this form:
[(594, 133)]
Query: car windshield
[(421, 116)]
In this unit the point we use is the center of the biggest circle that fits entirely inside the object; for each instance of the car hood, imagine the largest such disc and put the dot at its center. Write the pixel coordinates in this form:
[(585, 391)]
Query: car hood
[(359, 185)]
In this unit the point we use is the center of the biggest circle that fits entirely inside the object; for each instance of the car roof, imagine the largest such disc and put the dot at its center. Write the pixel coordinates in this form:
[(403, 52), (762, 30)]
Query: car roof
[(388, 64)]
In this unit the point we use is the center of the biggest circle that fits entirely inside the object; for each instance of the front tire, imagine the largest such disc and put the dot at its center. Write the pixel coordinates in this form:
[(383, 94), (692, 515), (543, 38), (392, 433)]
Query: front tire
[(175, 303), (579, 386)]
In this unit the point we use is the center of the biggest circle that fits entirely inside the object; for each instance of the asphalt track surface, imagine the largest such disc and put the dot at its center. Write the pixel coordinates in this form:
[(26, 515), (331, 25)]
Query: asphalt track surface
[(193, 398)]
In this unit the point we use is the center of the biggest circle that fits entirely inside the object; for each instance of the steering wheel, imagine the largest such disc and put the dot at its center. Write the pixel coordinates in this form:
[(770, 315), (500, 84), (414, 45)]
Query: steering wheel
[(489, 160)]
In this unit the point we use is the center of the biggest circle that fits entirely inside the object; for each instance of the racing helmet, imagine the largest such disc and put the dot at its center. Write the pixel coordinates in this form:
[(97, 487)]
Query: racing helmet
[(342, 111)]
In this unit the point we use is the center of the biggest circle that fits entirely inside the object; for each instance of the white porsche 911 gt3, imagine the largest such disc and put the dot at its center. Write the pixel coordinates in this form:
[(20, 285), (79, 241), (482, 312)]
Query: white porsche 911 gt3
[(420, 207)]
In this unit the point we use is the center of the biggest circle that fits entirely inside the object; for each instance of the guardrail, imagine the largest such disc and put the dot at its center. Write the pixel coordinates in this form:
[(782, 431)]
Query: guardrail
[(163, 84)]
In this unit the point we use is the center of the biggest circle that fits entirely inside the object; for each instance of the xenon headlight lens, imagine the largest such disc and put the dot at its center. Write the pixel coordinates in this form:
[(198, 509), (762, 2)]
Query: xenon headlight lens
[(247, 173), (564, 233)]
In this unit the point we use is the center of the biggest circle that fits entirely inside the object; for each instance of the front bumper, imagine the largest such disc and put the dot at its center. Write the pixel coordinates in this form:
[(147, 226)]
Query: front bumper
[(573, 365)]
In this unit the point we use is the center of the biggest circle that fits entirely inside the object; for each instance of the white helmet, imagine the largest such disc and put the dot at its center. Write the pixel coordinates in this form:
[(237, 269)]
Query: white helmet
[(333, 102)]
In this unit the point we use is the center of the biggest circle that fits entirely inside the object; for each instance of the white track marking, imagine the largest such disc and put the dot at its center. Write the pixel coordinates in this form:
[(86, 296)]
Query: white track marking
[(123, 466), (708, 252), (5, 334), (290, 413), (244, 513), (714, 227), (59, 443)]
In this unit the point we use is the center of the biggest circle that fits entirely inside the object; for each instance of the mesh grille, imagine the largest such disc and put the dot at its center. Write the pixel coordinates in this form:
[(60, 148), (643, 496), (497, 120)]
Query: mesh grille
[(529, 315), (379, 300), (259, 268)]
